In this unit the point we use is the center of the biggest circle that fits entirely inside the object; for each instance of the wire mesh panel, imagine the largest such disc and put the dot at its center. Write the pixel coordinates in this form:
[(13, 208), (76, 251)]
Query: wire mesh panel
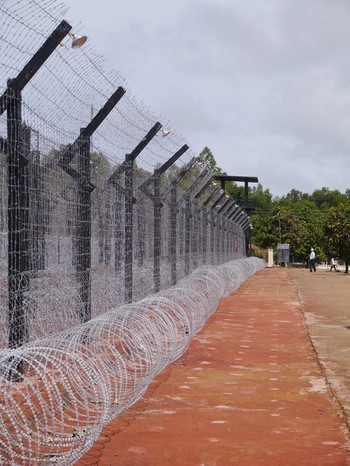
[(106, 252)]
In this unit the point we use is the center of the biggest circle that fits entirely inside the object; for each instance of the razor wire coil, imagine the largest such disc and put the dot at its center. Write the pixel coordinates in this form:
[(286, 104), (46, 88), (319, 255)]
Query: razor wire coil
[(76, 381)]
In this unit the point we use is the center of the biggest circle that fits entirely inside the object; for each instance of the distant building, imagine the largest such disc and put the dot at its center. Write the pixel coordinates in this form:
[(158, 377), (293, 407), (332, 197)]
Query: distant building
[(283, 254)]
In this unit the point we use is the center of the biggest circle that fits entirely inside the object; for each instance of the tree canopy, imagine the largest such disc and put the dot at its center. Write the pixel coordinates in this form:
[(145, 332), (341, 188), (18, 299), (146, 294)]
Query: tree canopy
[(337, 232), (303, 221), (320, 219)]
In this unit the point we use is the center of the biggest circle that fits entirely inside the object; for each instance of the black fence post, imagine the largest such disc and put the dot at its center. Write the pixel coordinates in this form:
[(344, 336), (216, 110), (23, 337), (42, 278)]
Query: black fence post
[(129, 190), (211, 224), (18, 203), (217, 237), (127, 168), (141, 230), (36, 212), (173, 233), (157, 210), (205, 234), (224, 240), (230, 228), (195, 235), (187, 236), (217, 229), (200, 235), (82, 239), (26, 220), (232, 236), (212, 236), (117, 228), (224, 210), (83, 235), (182, 234), (18, 280), (203, 219), (157, 206), (176, 237), (190, 242)]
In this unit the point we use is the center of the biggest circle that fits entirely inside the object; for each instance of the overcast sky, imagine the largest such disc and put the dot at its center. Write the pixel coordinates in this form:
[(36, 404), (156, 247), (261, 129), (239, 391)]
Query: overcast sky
[(265, 84)]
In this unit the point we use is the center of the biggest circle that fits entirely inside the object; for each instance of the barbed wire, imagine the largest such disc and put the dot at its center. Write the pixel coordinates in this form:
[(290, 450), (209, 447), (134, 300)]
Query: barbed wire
[(94, 230), (81, 379)]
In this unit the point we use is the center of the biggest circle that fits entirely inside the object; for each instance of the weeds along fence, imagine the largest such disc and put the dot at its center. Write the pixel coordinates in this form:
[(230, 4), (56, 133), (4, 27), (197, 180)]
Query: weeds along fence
[(115, 243)]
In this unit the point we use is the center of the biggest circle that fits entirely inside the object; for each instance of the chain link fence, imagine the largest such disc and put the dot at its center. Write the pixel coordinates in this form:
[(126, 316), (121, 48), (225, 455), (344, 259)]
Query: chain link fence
[(103, 206)]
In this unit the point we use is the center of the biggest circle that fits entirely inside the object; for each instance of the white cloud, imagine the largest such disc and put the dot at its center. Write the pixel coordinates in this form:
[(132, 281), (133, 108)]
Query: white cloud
[(265, 85)]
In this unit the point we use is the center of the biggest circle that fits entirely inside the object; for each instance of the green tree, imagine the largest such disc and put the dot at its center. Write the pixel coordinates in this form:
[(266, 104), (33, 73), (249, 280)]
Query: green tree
[(207, 158), (313, 222), (261, 197), (324, 198), (295, 196), (337, 232), (281, 226), (302, 221)]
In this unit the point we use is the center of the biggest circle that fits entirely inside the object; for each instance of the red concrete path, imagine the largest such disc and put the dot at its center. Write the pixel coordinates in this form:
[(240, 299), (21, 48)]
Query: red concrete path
[(249, 391)]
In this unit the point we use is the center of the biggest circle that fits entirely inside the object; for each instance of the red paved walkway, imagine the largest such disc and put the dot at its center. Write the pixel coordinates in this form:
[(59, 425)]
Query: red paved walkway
[(249, 391)]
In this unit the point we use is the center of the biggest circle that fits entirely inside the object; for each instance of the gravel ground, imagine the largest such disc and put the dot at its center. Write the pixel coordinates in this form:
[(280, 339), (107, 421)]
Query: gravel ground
[(325, 297)]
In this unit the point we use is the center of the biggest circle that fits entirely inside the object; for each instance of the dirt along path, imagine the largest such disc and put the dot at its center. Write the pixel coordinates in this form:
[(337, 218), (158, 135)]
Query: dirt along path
[(325, 298), (250, 389)]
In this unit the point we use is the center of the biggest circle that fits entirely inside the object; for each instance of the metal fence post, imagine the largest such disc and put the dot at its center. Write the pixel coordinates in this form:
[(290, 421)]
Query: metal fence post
[(212, 236), (83, 227), (194, 235), (129, 189), (36, 210), (157, 205), (187, 236), (18, 203), (157, 210), (83, 236), (205, 235), (173, 233), (141, 228), (117, 229), (18, 280), (129, 200)]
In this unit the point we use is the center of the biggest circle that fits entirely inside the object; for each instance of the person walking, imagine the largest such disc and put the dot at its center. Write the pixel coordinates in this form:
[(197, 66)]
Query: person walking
[(333, 265), (312, 260)]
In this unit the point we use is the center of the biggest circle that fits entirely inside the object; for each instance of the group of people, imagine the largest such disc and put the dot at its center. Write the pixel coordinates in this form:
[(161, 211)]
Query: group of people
[(312, 262)]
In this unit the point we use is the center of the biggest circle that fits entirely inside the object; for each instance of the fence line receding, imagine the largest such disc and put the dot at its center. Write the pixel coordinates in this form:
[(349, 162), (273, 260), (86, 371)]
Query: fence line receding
[(102, 204)]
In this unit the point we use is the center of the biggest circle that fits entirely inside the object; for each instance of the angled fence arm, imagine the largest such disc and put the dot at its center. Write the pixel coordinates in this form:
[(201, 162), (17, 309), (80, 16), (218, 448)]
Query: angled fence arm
[(211, 197), (35, 63), (127, 167), (82, 176), (155, 196), (18, 194)]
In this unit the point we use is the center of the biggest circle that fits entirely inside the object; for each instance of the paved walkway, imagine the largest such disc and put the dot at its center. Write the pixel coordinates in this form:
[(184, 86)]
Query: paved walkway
[(249, 391)]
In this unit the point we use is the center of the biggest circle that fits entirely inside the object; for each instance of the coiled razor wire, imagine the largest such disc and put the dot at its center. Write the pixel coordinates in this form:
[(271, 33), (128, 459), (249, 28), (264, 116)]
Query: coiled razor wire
[(75, 382)]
